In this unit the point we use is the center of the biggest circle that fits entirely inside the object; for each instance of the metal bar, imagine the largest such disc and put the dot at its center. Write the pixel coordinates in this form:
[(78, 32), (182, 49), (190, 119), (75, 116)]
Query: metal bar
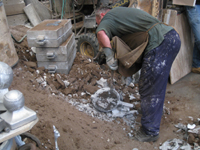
[(74, 17)]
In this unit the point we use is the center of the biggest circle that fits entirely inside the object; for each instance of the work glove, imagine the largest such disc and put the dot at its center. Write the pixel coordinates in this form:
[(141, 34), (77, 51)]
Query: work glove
[(110, 60)]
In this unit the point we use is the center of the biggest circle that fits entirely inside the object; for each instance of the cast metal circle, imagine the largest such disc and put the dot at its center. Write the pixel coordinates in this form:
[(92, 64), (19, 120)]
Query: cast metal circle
[(112, 103)]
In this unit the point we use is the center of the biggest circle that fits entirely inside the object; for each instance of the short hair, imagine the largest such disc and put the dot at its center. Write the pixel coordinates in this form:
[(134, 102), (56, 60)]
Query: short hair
[(101, 10)]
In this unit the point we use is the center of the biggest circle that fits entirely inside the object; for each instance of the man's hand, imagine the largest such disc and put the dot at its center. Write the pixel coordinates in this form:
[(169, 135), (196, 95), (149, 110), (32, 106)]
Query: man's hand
[(110, 60)]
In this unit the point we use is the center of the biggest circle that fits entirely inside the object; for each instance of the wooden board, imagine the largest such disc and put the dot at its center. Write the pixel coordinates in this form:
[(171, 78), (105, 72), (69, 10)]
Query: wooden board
[(6, 136), (182, 65), (153, 7), (184, 2)]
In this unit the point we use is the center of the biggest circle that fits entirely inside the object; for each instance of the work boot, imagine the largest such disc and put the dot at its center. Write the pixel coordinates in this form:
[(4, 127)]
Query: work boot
[(196, 70), (143, 137)]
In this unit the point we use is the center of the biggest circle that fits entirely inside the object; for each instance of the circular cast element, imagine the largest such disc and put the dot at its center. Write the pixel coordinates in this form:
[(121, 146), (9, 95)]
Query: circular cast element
[(13, 100), (88, 45), (105, 99), (6, 75)]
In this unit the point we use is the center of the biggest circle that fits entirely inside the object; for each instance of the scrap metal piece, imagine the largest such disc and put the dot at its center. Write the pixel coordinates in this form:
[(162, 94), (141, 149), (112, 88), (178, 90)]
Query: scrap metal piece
[(105, 100), (56, 135), (175, 144), (190, 127), (102, 82), (181, 126), (112, 75), (195, 130), (125, 104), (196, 146)]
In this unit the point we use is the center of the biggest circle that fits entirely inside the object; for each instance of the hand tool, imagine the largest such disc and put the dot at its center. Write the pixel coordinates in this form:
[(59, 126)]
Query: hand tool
[(56, 135), (112, 74)]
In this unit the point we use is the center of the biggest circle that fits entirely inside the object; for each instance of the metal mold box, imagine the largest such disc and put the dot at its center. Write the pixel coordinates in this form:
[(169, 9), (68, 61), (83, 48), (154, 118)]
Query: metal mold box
[(60, 53), (49, 33), (59, 67)]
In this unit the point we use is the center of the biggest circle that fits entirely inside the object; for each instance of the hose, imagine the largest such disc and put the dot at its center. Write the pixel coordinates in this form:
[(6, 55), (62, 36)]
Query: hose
[(32, 137), (63, 8), (19, 40), (80, 6), (28, 146)]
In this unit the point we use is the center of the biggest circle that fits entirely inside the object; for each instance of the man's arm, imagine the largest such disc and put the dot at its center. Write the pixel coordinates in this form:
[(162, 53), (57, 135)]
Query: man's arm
[(103, 39), (104, 42)]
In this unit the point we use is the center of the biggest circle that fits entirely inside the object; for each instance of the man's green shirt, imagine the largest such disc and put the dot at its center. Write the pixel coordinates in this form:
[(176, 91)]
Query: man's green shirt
[(122, 20)]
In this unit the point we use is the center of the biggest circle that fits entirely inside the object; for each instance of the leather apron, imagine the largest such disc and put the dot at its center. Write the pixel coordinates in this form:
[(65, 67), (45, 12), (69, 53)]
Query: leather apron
[(129, 51)]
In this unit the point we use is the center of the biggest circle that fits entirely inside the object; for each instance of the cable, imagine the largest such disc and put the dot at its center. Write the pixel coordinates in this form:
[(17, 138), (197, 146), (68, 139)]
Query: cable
[(19, 40), (63, 8)]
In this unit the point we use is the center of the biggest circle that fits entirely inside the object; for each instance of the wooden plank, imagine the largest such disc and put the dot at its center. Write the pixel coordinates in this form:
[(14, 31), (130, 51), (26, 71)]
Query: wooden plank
[(182, 65), (78, 25), (184, 2), (89, 2), (70, 15), (170, 17)]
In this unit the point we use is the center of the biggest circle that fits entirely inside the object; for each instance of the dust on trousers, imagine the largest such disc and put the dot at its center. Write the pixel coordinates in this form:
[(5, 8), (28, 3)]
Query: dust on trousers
[(153, 81)]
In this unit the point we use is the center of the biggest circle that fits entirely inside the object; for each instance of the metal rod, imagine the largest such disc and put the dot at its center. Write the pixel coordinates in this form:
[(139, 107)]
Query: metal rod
[(112, 74), (74, 17), (56, 135)]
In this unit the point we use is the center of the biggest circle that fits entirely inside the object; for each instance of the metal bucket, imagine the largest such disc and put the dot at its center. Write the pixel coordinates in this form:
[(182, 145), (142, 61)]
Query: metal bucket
[(105, 99)]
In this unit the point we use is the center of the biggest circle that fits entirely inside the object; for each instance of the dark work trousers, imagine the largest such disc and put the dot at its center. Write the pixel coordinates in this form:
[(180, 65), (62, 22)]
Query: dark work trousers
[(153, 81)]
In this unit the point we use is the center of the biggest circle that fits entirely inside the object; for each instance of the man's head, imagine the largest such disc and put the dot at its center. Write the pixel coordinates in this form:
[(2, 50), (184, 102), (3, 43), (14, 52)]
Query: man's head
[(100, 13)]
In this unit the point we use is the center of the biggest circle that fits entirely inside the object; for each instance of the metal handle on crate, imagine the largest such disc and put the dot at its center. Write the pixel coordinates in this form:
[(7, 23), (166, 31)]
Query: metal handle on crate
[(40, 40), (52, 69), (51, 55), (41, 43)]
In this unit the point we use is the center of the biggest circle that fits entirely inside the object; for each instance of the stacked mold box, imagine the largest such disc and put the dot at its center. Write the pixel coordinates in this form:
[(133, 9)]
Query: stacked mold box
[(55, 45)]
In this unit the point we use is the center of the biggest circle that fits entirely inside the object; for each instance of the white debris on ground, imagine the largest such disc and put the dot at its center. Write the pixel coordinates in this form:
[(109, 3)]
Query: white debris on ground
[(122, 110), (195, 130), (175, 144), (102, 82), (81, 83), (191, 134), (190, 127)]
